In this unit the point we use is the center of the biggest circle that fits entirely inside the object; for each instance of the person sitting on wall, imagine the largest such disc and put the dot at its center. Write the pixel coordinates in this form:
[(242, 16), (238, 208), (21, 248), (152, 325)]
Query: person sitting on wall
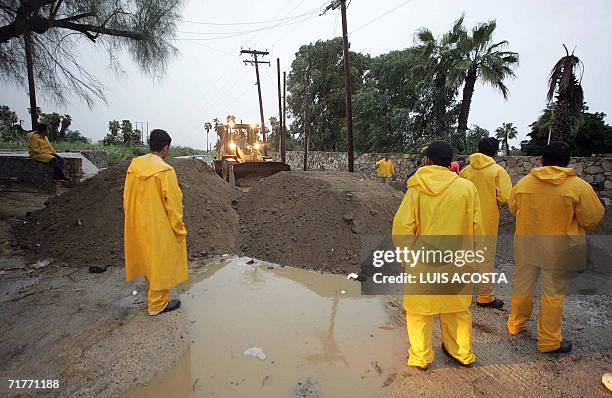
[(41, 150)]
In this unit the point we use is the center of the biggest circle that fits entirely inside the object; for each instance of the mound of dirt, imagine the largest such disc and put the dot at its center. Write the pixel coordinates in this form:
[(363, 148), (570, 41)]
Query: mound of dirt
[(314, 219), (85, 225)]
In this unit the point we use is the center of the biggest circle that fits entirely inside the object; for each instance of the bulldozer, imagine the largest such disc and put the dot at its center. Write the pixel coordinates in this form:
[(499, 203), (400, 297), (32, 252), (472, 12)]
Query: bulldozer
[(240, 159)]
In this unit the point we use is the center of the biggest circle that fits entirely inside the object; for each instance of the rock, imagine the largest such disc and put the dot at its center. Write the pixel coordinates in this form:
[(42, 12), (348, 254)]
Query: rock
[(97, 269), (608, 184), (348, 217), (355, 229), (593, 170), (607, 165)]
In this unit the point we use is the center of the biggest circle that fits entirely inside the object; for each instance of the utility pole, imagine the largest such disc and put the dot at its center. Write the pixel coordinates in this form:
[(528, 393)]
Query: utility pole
[(256, 62), (27, 40), (347, 82), (306, 119), (279, 134), (284, 131)]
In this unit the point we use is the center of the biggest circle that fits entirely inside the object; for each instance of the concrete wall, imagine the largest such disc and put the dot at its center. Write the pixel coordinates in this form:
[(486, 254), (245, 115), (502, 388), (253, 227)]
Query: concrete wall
[(596, 170)]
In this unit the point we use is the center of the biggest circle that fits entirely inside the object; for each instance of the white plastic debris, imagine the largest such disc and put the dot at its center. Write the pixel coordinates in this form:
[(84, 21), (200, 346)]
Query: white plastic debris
[(256, 352), (43, 263), (343, 291), (134, 293), (352, 275)]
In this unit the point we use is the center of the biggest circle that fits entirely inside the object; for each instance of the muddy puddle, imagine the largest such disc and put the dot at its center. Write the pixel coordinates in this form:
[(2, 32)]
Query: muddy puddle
[(312, 335)]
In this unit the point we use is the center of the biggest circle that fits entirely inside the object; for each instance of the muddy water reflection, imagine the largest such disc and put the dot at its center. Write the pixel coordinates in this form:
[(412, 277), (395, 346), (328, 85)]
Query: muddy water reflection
[(320, 337)]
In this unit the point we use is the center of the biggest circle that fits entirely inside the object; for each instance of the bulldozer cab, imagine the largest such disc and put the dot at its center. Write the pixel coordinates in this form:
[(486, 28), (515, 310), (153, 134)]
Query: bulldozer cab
[(240, 160)]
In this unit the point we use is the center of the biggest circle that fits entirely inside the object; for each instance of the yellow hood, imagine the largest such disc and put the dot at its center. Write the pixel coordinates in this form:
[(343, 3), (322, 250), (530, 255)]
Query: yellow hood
[(552, 174), (148, 165), (480, 160), (432, 180)]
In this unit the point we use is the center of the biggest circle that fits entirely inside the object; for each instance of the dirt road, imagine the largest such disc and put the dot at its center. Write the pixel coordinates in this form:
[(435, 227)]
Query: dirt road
[(90, 332)]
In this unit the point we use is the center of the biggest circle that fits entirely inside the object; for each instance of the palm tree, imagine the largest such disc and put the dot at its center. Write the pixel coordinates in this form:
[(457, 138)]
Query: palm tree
[(505, 133), (434, 60), (479, 58), (207, 126), (569, 98), (65, 123)]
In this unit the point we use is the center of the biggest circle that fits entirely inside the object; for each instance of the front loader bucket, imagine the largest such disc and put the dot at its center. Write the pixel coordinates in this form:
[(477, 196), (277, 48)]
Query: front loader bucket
[(249, 172)]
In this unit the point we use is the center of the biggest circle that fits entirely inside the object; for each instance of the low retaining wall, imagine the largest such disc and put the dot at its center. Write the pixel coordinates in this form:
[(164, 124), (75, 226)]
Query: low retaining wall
[(596, 170), (24, 169)]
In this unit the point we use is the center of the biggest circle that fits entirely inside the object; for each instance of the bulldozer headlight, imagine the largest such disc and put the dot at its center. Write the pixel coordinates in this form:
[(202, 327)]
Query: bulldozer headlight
[(232, 145), (256, 146)]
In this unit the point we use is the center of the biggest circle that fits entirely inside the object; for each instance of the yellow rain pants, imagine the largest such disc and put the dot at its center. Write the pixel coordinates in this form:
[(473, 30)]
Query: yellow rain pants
[(494, 185), (456, 336)]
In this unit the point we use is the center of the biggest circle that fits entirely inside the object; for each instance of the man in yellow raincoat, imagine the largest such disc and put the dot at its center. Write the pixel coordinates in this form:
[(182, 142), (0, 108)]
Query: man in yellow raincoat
[(41, 150), (385, 169), (553, 209), (438, 203), (494, 185), (155, 236)]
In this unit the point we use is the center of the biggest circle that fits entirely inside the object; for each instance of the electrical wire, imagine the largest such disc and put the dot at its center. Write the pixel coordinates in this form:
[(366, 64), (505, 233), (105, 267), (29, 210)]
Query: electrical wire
[(256, 22), (380, 16)]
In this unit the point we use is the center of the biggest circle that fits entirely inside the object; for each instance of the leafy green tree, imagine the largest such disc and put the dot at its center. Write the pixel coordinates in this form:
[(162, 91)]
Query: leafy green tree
[(504, 133), (144, 28), (479, 58), (569, 97), (474, 134), (9, 129), (66, 121), (53, 121), (316, 81), (436, 113), (593, 135)]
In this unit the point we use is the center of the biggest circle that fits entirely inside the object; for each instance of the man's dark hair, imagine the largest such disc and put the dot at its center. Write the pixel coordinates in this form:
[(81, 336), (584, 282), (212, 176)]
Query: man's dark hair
[(41, 127), (557, 153), (488, 146), (440, 153), (158, 140)]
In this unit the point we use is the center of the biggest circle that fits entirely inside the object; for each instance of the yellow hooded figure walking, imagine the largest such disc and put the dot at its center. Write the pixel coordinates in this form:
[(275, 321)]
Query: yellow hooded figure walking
[(494, 185), (155, 236), (438, 205)]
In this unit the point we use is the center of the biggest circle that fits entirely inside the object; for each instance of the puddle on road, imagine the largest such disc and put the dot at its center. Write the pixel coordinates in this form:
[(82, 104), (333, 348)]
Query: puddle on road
[(318, 341)]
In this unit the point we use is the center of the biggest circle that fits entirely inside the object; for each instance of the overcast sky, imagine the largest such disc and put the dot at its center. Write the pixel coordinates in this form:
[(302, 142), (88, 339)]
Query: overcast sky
[(208, 78)]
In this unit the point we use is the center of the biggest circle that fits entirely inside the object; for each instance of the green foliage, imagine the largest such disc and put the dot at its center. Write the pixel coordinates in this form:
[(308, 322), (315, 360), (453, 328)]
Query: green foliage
[(569, 101), (474, 134), (316, 80), (9, 129), (505, 133), (593, 135)]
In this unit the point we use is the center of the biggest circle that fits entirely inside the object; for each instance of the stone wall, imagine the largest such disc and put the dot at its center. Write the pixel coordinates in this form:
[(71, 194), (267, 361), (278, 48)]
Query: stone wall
[(596, 170), (24, 169)]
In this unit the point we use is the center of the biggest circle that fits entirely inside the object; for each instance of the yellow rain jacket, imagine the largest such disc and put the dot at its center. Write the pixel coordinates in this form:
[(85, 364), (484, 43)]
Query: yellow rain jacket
[(155, 236), (385, 168), (39, 147), (493, 184), (553, 209), (438, 202), (552, 200)]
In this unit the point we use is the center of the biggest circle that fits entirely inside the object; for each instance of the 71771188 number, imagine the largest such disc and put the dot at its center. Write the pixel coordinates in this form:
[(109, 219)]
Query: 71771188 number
[(34, 384)]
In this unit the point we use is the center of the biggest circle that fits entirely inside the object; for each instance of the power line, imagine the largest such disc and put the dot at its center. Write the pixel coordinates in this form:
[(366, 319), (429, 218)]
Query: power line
[(380, 16), (242, 33), (256, 22)]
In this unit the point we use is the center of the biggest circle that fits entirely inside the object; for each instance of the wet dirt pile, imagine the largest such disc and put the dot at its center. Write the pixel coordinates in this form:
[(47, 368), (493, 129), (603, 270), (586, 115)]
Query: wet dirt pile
[(314, 220), (84, 226)]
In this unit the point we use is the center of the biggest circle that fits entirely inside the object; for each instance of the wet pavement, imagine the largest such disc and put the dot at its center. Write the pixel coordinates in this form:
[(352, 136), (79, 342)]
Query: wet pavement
[(314, 334)]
